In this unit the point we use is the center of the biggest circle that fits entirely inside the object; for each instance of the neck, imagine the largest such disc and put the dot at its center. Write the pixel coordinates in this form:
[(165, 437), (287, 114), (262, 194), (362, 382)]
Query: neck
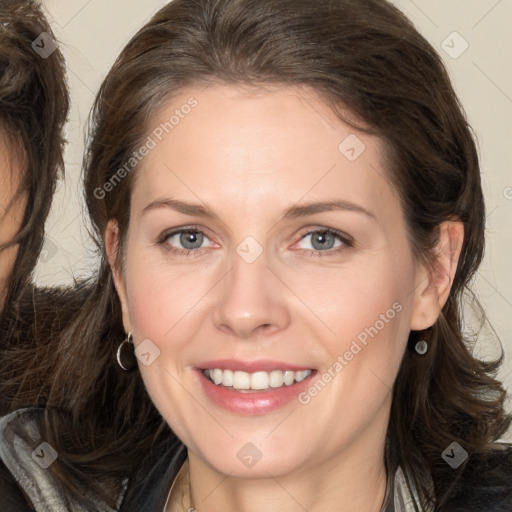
[(350, 481)]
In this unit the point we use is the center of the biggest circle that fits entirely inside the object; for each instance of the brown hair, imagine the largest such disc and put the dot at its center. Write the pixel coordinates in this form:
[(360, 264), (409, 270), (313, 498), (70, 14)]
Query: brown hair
[(364, 56), (34, 104)]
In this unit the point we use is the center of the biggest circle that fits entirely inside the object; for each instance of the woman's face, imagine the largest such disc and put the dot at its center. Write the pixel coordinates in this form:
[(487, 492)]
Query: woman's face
[(265, 240), (11, 215)]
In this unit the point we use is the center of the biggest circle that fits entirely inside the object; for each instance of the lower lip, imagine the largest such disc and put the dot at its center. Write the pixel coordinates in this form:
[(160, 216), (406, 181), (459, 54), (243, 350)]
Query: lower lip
[(253, 403)]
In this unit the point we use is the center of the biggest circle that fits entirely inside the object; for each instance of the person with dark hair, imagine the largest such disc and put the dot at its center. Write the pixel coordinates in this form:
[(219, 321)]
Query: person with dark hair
[(286, 199), (34, 103)]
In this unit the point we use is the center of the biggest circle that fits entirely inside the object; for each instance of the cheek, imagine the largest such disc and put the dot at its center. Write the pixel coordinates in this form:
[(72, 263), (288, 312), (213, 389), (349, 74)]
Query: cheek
[(365, 313), (162, 307), (349, 300), (368, 309), (163, 299)]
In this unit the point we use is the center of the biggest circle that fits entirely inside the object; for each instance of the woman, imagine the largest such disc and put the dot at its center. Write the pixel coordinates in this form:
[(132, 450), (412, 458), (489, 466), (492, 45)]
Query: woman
[(34, 104), (287, 203)]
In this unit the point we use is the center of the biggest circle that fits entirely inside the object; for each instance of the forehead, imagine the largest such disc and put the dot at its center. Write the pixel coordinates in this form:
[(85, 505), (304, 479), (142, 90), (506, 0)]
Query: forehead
[(259, 147)]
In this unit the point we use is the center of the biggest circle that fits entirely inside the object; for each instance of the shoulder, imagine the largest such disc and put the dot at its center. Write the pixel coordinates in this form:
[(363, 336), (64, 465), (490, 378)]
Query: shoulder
[(485, 483), (27, 468), (11, 496)]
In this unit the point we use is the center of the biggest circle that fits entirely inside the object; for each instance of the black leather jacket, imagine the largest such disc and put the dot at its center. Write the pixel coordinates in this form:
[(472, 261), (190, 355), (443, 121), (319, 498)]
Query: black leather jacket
[(485, 485)]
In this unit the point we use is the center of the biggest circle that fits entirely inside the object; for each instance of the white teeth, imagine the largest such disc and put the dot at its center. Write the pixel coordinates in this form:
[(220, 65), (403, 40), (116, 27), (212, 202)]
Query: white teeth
[(217, 376), (289, 377), (227, 378), (300, 376), (241, 380), (276, 379), (258, 380)]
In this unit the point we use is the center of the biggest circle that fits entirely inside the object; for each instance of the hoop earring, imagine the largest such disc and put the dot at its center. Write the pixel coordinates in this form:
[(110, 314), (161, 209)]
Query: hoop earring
[(126, 354), (421, 347)]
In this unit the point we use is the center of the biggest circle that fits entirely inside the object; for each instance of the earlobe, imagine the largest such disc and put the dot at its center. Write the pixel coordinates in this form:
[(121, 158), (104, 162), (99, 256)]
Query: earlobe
[(433, 285)]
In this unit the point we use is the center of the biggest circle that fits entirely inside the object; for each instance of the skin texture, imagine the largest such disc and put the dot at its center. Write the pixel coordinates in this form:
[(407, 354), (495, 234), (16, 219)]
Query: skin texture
[(11, 216), (249, 156)]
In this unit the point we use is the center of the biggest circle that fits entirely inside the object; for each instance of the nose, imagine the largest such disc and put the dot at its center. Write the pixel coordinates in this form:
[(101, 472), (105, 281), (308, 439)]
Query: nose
[(252, 300)]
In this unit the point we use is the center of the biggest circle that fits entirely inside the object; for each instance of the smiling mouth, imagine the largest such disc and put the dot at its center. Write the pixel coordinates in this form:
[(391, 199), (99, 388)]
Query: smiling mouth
[(257, 381)]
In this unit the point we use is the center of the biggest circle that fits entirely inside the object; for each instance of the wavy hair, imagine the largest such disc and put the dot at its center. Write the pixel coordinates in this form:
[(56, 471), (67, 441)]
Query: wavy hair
[(364, 57), (34, 104)]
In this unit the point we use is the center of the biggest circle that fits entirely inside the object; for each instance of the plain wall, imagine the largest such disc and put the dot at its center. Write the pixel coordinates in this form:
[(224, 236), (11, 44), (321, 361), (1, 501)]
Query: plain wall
[(93, 32)]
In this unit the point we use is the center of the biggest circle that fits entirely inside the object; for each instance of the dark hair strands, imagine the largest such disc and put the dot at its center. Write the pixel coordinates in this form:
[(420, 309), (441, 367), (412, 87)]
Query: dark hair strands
[(368, 62), (34, 103)]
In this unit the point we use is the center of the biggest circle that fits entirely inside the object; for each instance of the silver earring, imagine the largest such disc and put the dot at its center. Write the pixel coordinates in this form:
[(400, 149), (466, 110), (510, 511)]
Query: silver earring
[(421, 347), (126, 354)]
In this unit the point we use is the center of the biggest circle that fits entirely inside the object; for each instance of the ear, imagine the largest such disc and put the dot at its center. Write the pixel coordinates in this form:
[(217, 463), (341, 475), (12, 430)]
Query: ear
[(114, 259), (432, 287)]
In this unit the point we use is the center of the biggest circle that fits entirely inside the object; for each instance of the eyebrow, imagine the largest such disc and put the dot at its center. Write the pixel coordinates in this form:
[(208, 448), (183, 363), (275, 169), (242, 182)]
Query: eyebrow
[(294, 212)]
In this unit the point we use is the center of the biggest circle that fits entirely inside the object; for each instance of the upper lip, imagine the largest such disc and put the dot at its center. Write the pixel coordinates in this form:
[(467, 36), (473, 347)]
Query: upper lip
[(261, 365)]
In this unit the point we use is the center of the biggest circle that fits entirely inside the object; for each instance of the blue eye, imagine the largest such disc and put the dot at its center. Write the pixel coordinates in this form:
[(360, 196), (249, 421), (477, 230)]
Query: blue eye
[(190, 239), (325, 240)]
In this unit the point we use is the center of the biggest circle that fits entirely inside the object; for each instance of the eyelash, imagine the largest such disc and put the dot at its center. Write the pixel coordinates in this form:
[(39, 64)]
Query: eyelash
[(342, 237)]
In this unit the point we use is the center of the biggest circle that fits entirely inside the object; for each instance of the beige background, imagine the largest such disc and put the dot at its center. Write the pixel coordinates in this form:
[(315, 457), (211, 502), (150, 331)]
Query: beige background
[(92, 33)]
